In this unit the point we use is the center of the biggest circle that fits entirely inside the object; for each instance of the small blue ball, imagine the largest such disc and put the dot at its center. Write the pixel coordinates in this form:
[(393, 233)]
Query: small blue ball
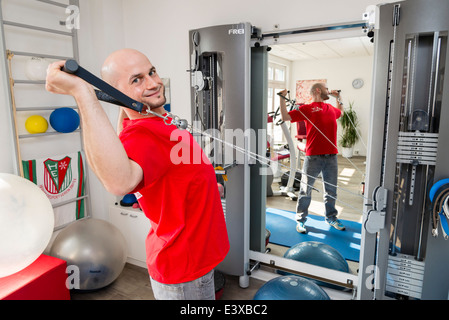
[(128, 200), (65, 120)]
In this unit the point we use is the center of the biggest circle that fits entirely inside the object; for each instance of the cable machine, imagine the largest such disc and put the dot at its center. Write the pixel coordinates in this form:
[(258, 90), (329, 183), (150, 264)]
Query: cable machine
[(403, 255), (220, 100)]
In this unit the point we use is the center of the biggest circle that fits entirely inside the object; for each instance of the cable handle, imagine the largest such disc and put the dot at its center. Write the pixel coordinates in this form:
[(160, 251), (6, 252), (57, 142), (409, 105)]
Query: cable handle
[(291, 102), (71, 66)]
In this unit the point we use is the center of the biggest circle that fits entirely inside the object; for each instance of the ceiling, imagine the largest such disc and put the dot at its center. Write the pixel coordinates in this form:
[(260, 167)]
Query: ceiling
[(325, 49)]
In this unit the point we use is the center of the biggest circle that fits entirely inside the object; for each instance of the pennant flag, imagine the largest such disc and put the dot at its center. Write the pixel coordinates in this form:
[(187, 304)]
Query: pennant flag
[(62, 179)]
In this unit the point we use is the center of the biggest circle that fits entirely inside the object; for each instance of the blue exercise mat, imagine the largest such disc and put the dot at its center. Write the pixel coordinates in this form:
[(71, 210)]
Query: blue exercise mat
[(282, 225)]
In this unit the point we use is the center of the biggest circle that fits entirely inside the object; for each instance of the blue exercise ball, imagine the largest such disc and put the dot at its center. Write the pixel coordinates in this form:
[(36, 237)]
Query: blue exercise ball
[(318, 254), (65, 120), (290, 288)]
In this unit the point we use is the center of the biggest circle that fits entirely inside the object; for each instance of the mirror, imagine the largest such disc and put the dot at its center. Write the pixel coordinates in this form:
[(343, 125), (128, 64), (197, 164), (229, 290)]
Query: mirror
[(345, 64)]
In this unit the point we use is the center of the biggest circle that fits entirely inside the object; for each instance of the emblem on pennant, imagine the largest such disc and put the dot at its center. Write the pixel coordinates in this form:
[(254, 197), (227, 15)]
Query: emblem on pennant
[(58, 175)]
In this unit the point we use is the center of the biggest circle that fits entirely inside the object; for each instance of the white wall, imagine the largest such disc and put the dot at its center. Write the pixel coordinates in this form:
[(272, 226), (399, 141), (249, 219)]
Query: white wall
[(339, 74), (101, 32)]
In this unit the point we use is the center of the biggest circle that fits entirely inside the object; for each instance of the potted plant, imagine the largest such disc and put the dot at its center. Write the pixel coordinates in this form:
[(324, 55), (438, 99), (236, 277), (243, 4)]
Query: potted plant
[(349, 136)]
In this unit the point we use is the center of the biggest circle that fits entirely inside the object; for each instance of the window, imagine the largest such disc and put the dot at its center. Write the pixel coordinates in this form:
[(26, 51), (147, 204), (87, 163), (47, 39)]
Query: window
[(277, 81), (279, 75)]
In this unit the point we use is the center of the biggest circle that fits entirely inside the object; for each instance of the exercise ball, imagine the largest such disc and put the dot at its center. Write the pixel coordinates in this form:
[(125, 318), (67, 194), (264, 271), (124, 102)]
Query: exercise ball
[(36, 68), (65, 120), (290, 288), (36, 124), (318, 254), (26, 223), (96, 247)]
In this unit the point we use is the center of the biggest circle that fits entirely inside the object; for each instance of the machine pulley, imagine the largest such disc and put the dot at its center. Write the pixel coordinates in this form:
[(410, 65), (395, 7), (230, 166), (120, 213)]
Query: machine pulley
[(375, 220)]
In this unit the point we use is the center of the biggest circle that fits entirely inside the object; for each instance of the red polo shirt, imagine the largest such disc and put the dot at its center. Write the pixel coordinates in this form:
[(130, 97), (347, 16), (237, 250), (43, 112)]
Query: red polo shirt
[(324, 117), (179, 195)]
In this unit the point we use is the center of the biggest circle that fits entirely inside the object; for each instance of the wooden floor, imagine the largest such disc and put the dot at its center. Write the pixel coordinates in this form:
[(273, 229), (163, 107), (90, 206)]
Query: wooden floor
[(134, 283)]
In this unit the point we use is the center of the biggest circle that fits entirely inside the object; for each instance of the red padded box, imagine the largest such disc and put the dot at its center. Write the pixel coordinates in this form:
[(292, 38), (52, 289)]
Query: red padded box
[(44, 279)]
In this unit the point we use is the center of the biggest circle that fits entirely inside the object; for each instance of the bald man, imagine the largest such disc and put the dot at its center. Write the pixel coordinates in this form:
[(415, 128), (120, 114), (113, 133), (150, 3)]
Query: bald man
[(188, 236)]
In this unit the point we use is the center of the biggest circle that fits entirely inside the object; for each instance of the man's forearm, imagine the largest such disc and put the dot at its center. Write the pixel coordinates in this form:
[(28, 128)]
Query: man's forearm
[(121, 117), (103, 148), (284, 113), (339, 102)]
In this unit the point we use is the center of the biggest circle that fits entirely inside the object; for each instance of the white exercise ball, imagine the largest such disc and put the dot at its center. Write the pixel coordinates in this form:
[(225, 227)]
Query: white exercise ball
[(36, 68), (26, 223)]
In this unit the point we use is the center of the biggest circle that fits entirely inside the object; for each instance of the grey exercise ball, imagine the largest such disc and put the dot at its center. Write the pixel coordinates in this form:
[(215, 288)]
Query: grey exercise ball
[(95, 248)]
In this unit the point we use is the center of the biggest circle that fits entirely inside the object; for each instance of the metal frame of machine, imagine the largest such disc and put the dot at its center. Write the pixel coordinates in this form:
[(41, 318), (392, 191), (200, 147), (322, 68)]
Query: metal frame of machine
[(401, 258), (220, 93)]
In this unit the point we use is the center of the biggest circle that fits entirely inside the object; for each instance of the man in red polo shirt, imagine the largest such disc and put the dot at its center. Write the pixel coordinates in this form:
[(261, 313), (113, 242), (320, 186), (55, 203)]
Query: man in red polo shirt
[(321, 152), (188, 236)]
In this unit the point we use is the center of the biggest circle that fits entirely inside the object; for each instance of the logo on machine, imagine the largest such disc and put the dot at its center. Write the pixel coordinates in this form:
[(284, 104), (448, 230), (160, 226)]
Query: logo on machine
[(236, 31)]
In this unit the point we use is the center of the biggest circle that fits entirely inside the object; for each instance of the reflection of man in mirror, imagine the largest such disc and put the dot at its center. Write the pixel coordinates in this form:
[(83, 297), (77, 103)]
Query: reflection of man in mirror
[(321, 151)]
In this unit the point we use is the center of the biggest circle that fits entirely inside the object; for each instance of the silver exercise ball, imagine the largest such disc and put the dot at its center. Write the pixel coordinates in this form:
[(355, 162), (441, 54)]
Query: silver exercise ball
[(94, 247)]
